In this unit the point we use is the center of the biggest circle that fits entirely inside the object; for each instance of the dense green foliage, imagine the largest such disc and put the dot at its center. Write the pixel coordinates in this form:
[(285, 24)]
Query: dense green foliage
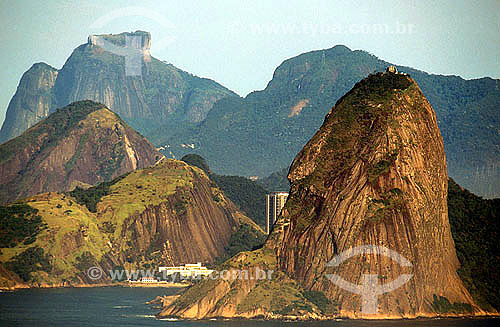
[(442, 305), (276, 182), (90, 197), (85, 261), (475, 226), (320, 300), (18, 223), (31, 260), (246, 238), (246, 194), (197, 161)]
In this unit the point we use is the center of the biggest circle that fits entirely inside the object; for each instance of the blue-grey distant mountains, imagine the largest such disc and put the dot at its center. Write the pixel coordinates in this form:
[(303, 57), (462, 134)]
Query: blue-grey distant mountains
[(261, 133)]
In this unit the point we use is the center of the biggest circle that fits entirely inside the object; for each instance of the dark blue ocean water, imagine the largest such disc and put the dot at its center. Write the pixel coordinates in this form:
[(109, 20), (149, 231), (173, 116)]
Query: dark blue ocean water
[(122, 306)]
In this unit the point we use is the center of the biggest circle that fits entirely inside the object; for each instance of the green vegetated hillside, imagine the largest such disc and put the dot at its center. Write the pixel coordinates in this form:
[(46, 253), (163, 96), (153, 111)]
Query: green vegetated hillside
[(168, 214), (259, 134), (277, 181), (475, 225)]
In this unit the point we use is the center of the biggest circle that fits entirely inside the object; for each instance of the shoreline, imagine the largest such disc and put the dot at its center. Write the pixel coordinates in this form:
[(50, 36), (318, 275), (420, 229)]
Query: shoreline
[(118, 284), (302, 319), (269, 317), (166, 285)]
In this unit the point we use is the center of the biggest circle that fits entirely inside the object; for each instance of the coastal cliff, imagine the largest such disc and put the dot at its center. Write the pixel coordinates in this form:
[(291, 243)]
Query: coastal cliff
[(373, 175)]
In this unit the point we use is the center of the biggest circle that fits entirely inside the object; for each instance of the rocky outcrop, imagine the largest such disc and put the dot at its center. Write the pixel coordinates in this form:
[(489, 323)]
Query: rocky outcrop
[(169, 214), (31, 103), (372, 178), (187, 226), (380, 182), (138, 40), (81, 144)]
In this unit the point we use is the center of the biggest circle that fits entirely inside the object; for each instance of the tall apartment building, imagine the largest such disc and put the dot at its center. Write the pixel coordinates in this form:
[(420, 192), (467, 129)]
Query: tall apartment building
[(274, 203)]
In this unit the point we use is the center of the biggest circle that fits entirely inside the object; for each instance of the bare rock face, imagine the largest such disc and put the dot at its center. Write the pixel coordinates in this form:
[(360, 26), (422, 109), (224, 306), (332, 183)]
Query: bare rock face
[(79, 145), (32, 101), (187, 226), (373, 179), (374, 175)]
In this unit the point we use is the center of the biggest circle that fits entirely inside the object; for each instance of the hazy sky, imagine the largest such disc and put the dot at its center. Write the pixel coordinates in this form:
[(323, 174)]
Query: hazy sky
[(240, 43)]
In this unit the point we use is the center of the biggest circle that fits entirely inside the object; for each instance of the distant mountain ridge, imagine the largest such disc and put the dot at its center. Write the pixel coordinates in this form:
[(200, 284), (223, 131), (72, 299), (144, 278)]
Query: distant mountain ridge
[(266, 129), (261, 133)]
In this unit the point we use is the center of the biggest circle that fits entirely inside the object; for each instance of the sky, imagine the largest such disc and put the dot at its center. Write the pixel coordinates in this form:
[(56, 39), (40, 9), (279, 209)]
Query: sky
[(240, 43)]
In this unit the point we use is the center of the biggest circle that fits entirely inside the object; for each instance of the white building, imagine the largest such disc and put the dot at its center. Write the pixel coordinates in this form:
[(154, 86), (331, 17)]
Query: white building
[(188, 270), (274, 203)]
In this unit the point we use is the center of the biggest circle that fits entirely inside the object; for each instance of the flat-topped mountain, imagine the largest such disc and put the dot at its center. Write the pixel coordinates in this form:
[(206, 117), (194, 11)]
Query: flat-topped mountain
[(374, 175), (118, 71), (82, 144)]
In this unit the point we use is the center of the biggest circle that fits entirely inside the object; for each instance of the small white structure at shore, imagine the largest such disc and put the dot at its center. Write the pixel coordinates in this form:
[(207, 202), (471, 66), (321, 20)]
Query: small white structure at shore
[(188, 270), (149, 280)]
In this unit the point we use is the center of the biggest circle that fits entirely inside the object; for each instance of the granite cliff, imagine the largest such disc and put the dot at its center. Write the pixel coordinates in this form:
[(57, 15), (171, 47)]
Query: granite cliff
[(82, 144), (373, 175)]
